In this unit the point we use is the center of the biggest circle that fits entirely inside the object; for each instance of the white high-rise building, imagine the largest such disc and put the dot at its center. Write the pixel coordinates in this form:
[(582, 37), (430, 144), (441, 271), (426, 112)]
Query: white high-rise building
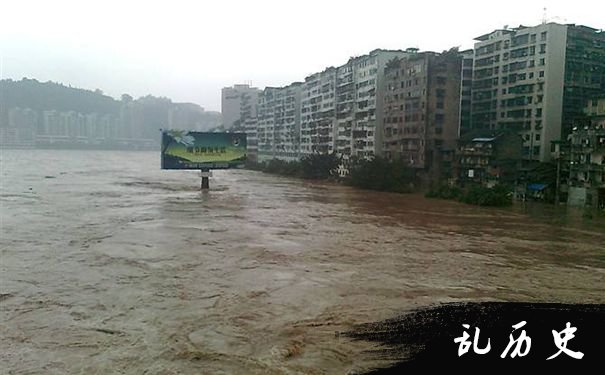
[(238, 103)]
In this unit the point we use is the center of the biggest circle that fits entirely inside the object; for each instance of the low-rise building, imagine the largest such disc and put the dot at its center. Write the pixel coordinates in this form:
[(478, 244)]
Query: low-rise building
[(587, 159), (488, 160)]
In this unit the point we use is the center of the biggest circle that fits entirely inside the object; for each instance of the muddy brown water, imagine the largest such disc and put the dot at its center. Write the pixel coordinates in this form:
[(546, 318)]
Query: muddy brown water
[(110, 265)]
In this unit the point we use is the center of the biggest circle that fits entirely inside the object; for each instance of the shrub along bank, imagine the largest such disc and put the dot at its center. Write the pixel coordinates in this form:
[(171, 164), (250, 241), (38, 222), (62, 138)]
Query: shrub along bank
[(497, 196), (316, 166), (382, 175)]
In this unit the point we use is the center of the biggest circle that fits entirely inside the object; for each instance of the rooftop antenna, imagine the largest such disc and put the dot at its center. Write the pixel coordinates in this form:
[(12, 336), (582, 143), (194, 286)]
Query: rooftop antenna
[(544, 18)]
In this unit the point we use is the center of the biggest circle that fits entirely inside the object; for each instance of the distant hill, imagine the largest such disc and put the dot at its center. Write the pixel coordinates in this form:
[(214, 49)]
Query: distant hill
[(41, 96)]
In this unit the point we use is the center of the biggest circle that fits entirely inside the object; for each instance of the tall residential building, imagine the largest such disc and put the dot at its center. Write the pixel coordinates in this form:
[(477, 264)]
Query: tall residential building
[(287, 122), (264, 124), (366, 138), (318, 119), (422, 108), (466, 84), (278, 123), (346, 95), (250, 127), (237, 104), (536, 80), (342, 108), (339, 110), (584, 73)]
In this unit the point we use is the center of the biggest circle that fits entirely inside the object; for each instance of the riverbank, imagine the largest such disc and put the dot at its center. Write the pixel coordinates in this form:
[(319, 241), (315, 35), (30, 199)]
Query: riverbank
[(382, 175)]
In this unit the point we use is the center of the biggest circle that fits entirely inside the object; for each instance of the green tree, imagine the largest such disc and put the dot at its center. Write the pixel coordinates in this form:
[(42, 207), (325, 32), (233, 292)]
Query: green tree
[(319, 166)]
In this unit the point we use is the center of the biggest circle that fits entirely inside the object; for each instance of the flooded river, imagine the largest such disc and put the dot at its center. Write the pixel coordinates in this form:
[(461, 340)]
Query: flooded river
[(110, 265)]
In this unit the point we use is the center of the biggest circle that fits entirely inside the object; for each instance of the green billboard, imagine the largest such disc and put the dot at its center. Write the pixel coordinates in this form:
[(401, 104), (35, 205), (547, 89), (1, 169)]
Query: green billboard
[(200, 150)]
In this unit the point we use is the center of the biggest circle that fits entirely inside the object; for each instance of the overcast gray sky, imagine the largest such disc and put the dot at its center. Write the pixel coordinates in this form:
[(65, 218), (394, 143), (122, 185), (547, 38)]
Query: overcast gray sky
[(188, 50)]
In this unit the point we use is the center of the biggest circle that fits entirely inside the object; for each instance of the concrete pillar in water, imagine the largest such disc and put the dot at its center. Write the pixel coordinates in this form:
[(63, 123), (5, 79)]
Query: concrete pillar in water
[(205, 179)]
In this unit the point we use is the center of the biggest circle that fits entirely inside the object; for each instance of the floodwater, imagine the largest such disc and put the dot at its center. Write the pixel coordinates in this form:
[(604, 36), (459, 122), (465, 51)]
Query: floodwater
[(110, 265)]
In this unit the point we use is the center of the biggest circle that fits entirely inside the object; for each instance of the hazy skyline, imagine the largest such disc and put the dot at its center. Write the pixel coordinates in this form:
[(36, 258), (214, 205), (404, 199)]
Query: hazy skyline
[(188, 51)]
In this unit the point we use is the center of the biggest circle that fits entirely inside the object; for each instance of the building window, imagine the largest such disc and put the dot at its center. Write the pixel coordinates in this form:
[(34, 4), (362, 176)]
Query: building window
[(531, 75), (543, 36), (440, 105), (532, 63), (538, 112), (533, 38), (541, 73), (537, 136), (542, 62), (542, 48)]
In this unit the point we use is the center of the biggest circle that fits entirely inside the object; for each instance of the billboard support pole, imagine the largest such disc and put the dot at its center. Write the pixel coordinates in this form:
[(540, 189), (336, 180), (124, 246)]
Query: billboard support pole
[(205, 179)]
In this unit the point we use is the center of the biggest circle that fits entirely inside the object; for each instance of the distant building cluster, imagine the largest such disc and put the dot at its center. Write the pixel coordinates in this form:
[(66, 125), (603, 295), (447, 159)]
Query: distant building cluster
[(497, 111), (133, 128)]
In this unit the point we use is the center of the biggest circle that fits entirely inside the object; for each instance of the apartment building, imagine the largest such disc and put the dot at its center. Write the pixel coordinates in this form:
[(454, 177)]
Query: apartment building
[(286, 134), (264, 124), (238, 103), (338, 110), (342, 107), (535, 80), (20, 129), (587, 166), (422, 108), (366, 132), (466, 84), (278, 123), (250, 127), (318, 120)]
